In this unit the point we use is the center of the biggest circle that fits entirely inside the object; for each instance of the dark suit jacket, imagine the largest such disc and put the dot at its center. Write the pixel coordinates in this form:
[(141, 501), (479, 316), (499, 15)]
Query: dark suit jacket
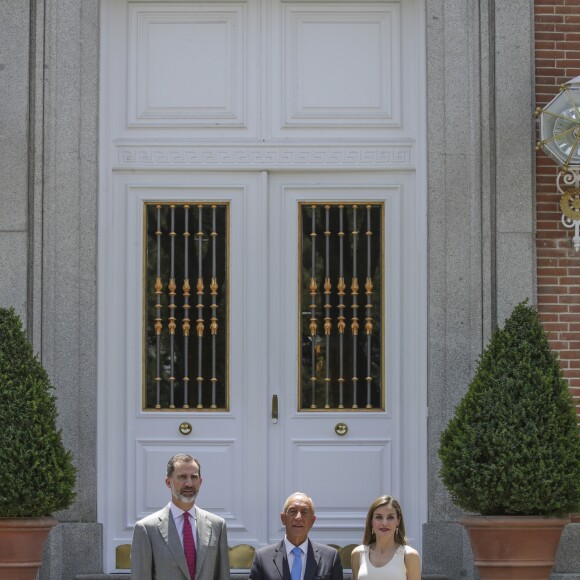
[(157, 552), (271, 563)]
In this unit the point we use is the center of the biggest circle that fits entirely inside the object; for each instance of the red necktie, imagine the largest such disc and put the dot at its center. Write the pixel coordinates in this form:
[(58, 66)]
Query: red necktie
[(189, 545)]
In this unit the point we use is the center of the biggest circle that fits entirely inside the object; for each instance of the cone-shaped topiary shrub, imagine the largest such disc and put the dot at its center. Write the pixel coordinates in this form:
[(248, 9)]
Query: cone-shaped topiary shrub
[(37, 476), (513, 447)]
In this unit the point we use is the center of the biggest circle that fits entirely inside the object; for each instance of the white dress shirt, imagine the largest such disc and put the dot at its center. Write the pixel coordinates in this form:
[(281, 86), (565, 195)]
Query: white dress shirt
[(177, 514), (289, 547)]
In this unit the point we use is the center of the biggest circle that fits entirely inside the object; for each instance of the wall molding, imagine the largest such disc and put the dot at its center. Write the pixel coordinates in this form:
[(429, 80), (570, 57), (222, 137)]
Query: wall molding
[(266, 157)]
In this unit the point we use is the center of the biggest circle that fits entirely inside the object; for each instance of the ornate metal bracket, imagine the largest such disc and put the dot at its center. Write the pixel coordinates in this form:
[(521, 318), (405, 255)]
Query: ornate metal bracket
[(568, 184)]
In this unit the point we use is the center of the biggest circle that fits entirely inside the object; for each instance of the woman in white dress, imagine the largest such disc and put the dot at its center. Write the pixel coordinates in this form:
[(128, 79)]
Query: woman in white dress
[(384, 553)]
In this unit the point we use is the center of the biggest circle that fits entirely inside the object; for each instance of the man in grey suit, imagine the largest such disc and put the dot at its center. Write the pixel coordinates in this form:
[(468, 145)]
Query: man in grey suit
[(296, 557), (181, 541)]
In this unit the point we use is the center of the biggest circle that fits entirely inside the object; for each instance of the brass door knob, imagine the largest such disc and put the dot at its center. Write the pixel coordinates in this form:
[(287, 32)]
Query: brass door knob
[(185, 428)]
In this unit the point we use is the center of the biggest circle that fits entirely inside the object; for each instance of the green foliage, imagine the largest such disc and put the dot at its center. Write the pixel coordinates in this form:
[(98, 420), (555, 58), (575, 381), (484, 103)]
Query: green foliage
[(37, 476), (513, 446)]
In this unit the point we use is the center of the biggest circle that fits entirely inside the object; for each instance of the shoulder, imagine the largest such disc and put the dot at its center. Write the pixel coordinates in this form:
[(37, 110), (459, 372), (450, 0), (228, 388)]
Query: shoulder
[(322, 548), (270, 548), (154, 518), (411, 555), (209, 516), (360, 549)]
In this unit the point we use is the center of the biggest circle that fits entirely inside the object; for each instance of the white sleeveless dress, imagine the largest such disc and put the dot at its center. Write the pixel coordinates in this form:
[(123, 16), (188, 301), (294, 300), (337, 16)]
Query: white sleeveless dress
[(393, 570)]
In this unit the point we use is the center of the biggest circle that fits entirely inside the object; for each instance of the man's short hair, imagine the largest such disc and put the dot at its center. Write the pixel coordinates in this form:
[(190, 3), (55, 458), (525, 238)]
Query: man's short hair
[(290, 499), (181, 458)]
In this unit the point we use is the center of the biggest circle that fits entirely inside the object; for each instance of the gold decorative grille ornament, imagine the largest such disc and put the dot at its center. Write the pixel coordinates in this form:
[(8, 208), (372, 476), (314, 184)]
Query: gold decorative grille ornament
[(568, 184), (185, 364), (341, 306)]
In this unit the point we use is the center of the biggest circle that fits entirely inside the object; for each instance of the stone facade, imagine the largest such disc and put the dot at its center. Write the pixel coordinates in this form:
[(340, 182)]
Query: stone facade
[(482, 253)]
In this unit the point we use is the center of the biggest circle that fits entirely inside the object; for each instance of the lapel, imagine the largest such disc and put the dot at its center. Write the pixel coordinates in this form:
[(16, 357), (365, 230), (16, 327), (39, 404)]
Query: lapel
[(204, 533), (312, 560), (281, 561), (168, 531)]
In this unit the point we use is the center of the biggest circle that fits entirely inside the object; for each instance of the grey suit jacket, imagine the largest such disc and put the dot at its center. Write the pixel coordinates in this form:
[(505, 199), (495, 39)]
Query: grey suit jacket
[(271, 563), (157, 553)]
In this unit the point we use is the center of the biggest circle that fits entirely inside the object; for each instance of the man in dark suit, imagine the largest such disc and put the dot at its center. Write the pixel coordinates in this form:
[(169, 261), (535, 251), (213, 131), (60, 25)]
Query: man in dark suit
[(181, 541), (296, 557)]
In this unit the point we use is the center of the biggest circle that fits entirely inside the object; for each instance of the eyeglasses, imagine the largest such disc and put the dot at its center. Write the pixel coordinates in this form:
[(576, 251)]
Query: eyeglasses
[(293, 512)]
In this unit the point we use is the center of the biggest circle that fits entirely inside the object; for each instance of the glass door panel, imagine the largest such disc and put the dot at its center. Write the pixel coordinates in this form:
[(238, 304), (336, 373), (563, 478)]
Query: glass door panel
[(186, 271), (341, 299)]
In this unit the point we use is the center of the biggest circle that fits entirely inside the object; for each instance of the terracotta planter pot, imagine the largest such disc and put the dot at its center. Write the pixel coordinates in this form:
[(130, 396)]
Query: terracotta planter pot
[(21, 544), (514, 547)]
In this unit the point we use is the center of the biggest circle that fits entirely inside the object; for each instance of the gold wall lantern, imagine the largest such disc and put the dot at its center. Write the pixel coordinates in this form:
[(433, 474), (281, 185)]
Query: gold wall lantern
[(560, 140)]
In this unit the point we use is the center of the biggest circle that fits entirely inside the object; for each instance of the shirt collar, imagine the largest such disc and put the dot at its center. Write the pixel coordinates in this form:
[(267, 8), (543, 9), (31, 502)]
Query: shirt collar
[(177, 512), (290, 546)]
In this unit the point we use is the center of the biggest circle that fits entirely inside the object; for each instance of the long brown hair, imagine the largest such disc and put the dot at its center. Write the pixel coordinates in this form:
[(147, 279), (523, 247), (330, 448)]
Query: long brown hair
[(385, 500)]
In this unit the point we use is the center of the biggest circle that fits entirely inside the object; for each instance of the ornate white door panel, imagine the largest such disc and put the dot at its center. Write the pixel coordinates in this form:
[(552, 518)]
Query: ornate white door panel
[(144, 432), (342, 439), (230, 133)]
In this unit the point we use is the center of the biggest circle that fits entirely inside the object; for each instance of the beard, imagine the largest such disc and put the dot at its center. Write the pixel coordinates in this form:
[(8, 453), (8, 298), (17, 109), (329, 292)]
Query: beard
[(189, 498)]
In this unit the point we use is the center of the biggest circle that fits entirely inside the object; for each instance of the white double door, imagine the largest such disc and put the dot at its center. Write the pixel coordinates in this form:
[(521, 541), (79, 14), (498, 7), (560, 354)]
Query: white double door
[(241, 103), (251, 461)]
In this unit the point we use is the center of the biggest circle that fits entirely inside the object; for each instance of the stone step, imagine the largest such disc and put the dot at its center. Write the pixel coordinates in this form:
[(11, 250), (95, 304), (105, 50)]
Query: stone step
[(245, 576), (127, 576)]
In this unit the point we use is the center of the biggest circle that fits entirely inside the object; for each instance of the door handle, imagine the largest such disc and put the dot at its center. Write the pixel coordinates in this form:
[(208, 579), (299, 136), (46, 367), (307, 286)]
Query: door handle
[(274, 409)]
